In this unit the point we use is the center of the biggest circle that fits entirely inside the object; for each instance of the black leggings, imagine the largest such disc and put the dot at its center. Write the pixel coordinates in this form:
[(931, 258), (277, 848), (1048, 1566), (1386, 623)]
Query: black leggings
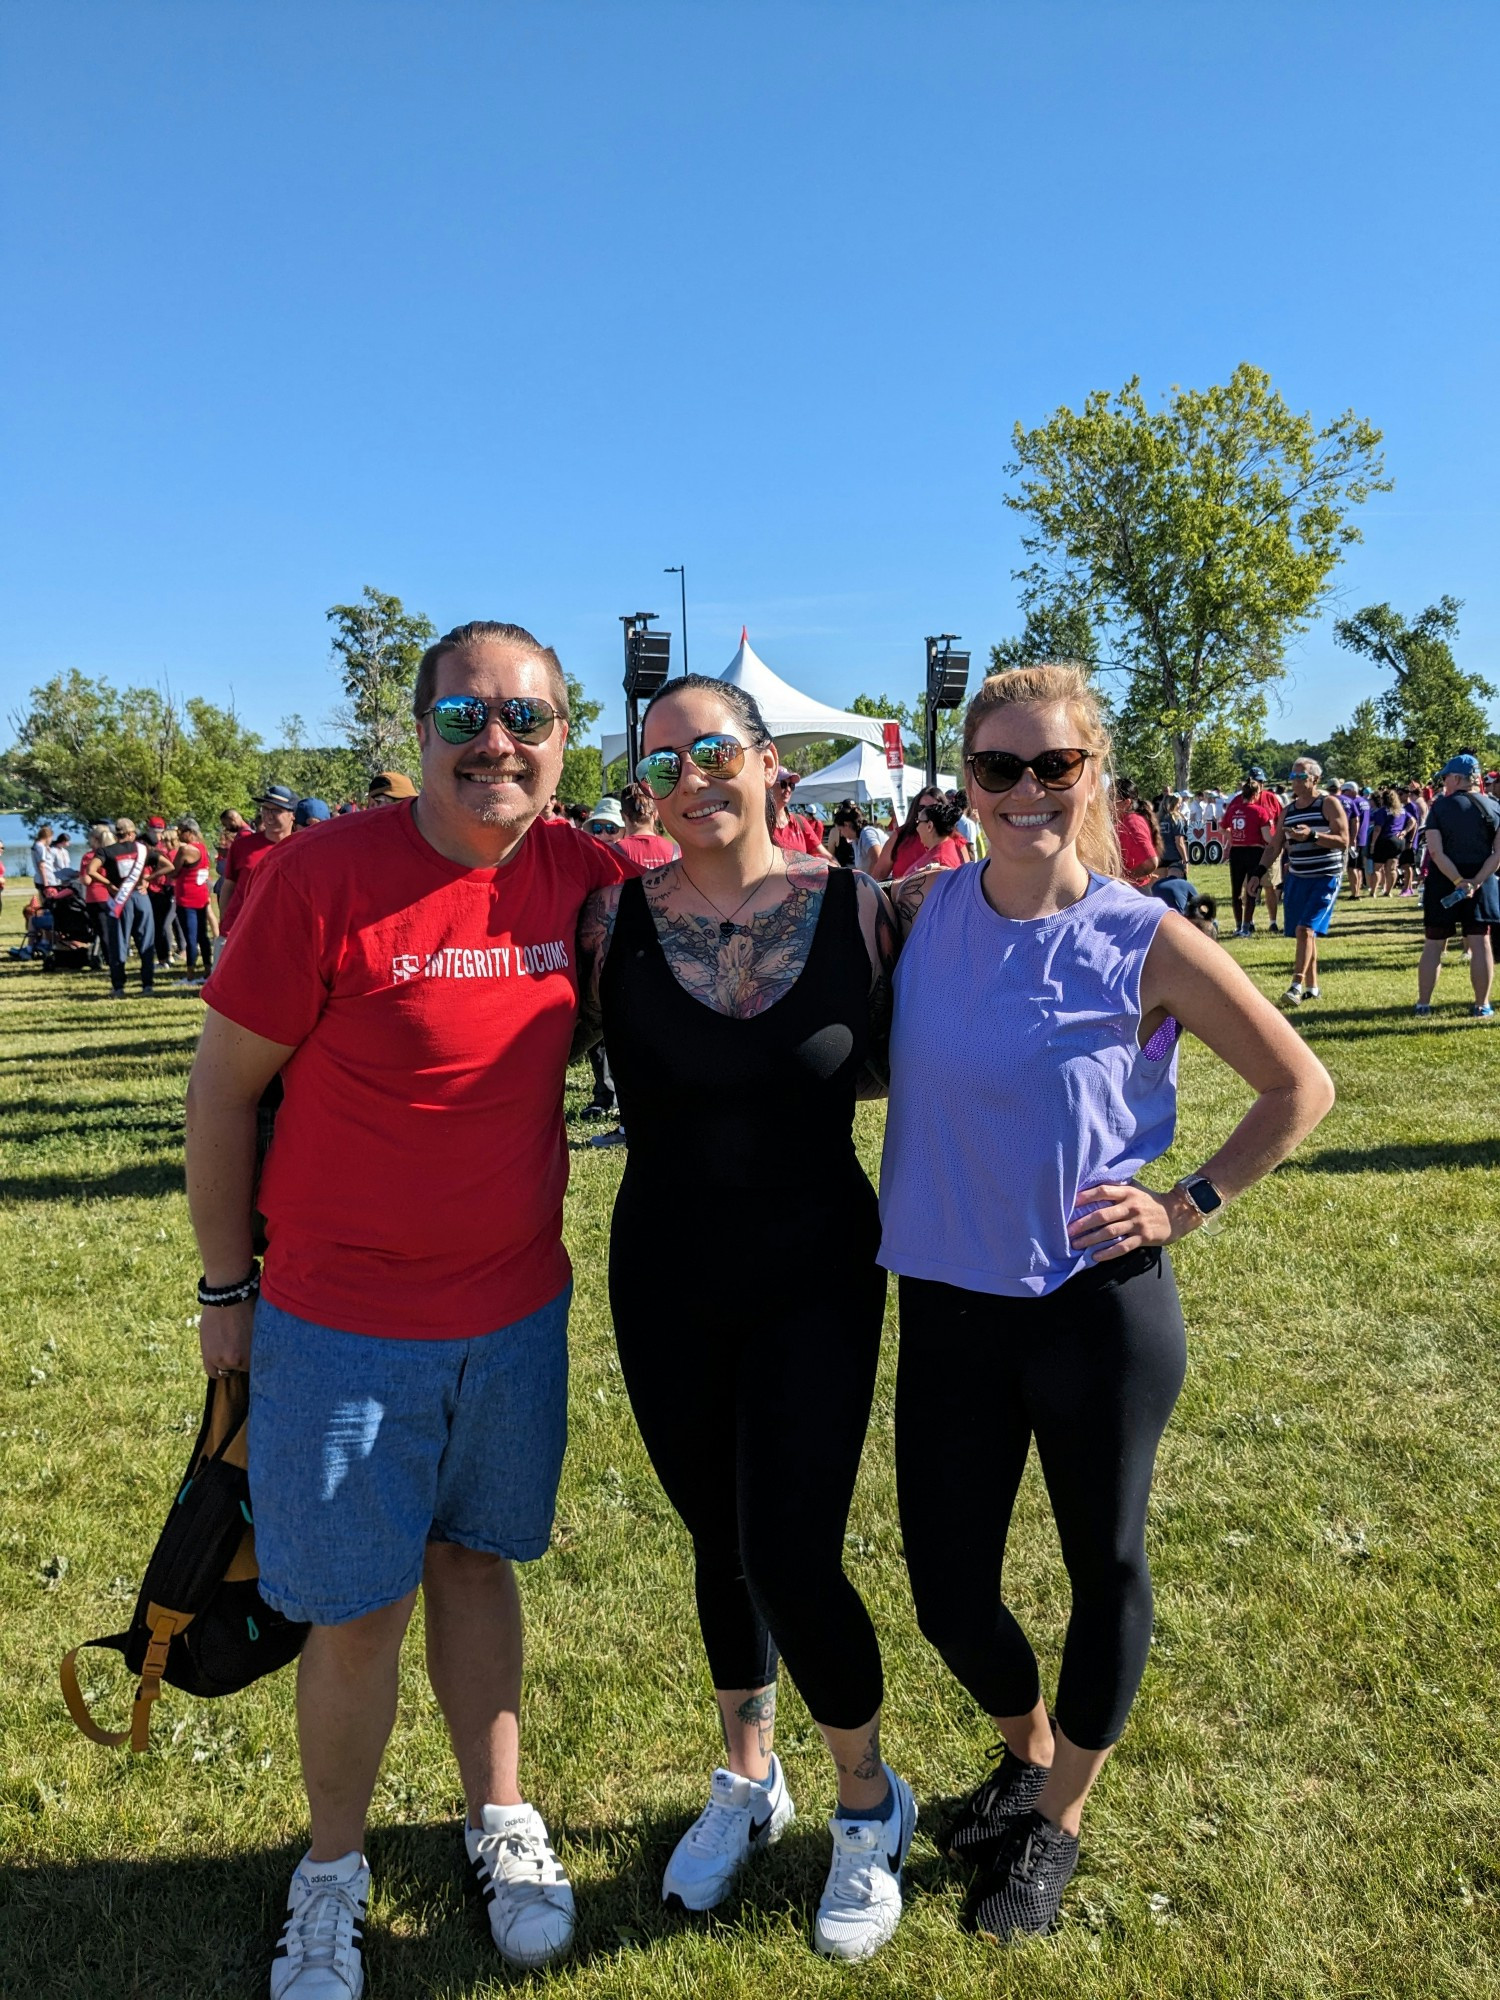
[(1092, 1371), (753, 1396)]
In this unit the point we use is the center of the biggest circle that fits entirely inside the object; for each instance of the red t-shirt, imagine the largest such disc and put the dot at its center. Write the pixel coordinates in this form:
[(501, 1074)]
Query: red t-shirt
[(647, 850), (1251, 822), (414, 1187), (93, 892), (909, 854), (190, 876), (799, 836), (246, 852), (949, 853), (1137, 848)]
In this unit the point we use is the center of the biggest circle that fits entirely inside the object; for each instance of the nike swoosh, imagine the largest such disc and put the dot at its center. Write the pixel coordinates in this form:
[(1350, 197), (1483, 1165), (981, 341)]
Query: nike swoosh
[(758, 1826)]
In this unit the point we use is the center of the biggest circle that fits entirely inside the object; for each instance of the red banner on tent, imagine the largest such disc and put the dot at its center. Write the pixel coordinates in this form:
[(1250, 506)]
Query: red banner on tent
[(895, 759)]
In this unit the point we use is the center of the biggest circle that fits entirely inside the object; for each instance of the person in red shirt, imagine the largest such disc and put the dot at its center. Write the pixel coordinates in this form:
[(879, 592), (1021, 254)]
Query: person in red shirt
[(1250, 818), (903, 850), (411, 974), (191, 887), (937, 826), (643, 840), (277, 821), (1138, 834), (95, 890), (791, 830)]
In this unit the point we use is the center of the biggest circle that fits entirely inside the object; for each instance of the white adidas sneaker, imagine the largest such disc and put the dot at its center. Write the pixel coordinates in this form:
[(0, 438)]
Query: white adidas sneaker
[(319, 1956), (529, 1897), (861, 1903), (741, 1817)]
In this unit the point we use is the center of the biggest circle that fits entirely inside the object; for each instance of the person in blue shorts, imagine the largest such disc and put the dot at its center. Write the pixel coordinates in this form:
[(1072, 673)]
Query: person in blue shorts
[(1314, 836)]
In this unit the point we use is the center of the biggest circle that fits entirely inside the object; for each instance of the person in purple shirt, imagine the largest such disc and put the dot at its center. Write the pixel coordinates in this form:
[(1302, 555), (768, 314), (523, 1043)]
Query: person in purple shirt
[(1356, 806), (1038, 1001)]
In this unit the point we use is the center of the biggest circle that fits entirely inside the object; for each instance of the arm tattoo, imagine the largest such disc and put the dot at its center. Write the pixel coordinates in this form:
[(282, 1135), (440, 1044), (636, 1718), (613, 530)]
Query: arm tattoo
[(596, 926), (760, 961), (885, 945), (908, 894), (761, 1710)]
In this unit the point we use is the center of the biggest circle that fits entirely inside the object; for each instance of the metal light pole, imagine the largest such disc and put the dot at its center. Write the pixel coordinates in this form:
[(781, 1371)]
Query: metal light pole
[(679, 570)]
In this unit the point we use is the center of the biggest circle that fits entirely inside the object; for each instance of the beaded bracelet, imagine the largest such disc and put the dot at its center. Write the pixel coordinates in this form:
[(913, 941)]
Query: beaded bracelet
[(230, 1295)]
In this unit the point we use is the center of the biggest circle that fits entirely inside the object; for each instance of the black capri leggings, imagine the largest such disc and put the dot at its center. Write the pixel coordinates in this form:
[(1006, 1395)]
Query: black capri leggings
[(1092, 1372), (753, 1396)]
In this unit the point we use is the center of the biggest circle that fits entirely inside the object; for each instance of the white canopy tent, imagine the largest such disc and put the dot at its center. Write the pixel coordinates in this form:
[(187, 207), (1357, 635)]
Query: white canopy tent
[(861, 774), (794, 719)]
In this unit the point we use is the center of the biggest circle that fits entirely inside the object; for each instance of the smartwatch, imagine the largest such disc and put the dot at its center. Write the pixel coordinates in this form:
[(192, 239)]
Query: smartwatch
[(1207, 1199)]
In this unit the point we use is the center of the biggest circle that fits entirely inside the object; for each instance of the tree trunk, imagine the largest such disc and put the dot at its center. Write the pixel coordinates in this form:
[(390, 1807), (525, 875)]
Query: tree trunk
[(1182, 758)]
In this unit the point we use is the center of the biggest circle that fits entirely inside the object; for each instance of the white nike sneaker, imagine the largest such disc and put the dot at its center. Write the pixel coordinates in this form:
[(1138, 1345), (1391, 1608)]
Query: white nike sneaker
[(861, 1904), (318, 1957), (741, 1817), (530, 1899)]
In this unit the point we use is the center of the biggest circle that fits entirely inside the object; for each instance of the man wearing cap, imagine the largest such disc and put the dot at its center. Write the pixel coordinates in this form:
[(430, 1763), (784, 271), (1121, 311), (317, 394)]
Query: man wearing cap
[(792, 831), (1463, 853), (1251, 817), (311, 812), (123, 868), (412, 975), (276, 821), (389, 788)]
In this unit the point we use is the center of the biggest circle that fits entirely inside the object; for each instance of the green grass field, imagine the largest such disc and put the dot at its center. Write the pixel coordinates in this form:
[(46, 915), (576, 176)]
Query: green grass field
[(1306, 1803)]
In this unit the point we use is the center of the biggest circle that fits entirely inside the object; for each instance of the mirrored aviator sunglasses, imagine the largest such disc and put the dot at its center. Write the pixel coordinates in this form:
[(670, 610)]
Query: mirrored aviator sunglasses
[(715, 757), (459, 718), (1054, 770)]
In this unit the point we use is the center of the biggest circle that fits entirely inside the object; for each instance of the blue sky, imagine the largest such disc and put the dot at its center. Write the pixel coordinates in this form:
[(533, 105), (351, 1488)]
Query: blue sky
[(504, 307)]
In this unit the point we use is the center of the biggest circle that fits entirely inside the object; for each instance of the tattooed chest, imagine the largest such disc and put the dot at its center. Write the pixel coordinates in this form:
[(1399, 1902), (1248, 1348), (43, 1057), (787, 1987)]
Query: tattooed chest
[(740, 969)]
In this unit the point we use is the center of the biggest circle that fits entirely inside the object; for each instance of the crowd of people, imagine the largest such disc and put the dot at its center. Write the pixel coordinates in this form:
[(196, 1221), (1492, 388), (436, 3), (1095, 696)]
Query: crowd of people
[(1013, 966)]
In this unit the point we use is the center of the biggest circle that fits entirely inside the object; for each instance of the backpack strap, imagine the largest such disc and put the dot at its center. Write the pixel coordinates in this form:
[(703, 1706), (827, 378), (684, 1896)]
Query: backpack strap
[(164, 1627)]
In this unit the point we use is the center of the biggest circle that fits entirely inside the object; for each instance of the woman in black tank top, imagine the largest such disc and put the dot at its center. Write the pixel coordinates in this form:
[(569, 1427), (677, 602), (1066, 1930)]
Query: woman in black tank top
[(742, 992)]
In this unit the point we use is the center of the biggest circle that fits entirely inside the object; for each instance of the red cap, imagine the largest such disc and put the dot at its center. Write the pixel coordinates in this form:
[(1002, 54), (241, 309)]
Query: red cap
[(159, 824)]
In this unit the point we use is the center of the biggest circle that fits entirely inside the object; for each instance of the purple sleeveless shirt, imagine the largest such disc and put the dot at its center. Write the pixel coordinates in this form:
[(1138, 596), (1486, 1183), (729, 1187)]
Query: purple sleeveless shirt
[(1017, 1082)]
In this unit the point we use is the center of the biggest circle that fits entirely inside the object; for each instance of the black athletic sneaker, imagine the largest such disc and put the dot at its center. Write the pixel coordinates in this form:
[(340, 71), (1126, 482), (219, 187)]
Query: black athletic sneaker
[(986, 1815), (1022, 1889)]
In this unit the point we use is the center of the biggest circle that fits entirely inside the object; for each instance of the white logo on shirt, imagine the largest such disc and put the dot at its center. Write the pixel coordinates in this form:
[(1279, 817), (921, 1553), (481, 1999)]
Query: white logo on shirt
[(494, 962)]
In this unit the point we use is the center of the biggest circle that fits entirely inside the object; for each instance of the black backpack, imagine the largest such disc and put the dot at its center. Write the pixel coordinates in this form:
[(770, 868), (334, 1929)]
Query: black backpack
[(200, 1621)]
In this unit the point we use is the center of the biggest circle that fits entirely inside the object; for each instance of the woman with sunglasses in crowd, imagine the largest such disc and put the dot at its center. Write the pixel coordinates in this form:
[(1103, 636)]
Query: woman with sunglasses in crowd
[(1038, 1000), (742, 990), (904, 850)]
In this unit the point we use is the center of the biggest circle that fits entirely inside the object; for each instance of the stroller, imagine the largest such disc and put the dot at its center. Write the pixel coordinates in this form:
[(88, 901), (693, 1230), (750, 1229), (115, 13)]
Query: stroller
[(62, 932)]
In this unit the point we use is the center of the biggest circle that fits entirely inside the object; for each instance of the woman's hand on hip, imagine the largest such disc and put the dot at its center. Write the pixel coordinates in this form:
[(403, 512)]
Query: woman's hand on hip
[(1129, 1218), (224, 1338)]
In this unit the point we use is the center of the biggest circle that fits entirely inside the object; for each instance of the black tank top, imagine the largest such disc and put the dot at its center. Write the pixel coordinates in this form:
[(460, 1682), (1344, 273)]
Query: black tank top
[(731, 1095)]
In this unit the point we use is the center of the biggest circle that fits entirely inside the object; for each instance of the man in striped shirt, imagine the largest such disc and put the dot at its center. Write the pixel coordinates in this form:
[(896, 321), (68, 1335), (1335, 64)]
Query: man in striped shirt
[(1314, 835)]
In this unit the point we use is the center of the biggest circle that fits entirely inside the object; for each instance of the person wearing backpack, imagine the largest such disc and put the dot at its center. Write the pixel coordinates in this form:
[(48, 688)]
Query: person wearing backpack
[(410, 974)]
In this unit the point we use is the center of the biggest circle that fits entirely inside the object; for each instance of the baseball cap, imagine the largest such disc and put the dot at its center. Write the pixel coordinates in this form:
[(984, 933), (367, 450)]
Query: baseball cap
[(1257, 773), (1350, 787), (391, 785), (159, 824), (1461, 766), (786, 777), (309, 810), (609, 811), (278, 795)]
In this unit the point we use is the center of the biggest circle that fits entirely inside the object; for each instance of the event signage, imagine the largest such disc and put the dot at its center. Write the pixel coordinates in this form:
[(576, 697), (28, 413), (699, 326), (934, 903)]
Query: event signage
[(895, 756)]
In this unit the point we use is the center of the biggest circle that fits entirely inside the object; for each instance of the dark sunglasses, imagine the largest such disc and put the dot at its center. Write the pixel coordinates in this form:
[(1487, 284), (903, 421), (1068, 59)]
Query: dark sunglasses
[(1054, 770), (459, 718), (715, 757)]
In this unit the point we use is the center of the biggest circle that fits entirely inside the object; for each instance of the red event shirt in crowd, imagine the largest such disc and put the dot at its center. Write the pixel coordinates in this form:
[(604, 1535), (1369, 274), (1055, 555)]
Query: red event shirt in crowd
[(1251, 822), (414, 1187), (647, 850), (1137, 849), (190, 877), (799, 836), (949, 853), (246, 852)]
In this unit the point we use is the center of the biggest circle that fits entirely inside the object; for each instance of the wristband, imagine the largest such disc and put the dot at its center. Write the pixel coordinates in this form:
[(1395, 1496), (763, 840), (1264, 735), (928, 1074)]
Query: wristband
[(230, 1295)]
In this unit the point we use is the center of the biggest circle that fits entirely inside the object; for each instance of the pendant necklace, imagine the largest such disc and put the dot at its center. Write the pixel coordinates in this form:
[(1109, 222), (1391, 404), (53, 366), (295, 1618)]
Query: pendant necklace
[(728, 928)]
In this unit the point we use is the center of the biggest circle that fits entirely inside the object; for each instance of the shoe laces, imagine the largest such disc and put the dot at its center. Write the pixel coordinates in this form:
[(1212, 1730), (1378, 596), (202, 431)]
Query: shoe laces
[(856, 1847), (720, 1827), (321, 1927), (1036, 1848), (520, 1858)]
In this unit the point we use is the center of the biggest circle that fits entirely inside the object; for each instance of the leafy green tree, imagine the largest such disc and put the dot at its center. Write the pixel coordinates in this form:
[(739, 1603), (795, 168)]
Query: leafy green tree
[(377, 647), (1195, 539), (1059, 629), (582, 780), (1433, 708), (1362, 750), (87, 751)]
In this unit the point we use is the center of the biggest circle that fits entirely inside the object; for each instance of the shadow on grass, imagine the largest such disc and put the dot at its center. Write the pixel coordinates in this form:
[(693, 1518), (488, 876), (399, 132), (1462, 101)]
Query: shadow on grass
[(1398, 1159), (206, 1926), (142, 1179)]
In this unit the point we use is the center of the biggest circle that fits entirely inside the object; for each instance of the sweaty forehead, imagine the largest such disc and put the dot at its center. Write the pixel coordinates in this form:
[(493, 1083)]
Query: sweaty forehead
[(1027, 727), (678, 718), (494, 669)]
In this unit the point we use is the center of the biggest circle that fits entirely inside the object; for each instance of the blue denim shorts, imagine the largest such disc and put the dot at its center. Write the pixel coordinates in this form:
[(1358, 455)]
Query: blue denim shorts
[(362, 1450)]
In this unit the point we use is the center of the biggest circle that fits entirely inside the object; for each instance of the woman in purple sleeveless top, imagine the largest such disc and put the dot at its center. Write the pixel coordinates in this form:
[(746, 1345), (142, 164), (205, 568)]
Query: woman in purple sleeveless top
[(1038, 1002)]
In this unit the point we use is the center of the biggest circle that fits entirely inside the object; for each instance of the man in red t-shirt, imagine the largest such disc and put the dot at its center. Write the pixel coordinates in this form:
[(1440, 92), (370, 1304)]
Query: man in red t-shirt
[(276, 822), (1250, 818), (411, 974), (792, 831)]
